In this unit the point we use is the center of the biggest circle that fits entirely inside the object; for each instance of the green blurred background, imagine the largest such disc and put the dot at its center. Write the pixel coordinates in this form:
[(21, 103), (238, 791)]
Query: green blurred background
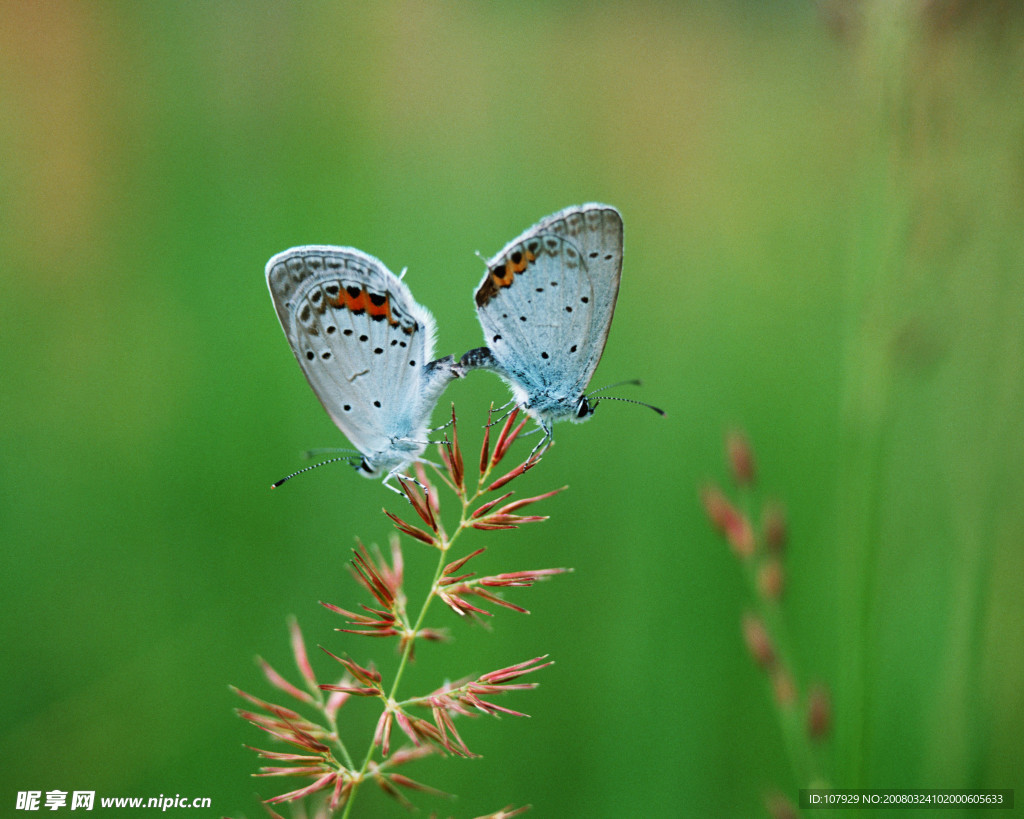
[(824, 246)]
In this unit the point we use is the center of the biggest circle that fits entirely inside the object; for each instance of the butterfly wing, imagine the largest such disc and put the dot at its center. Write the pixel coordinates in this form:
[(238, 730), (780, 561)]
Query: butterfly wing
[(365, 346), (546, 304)]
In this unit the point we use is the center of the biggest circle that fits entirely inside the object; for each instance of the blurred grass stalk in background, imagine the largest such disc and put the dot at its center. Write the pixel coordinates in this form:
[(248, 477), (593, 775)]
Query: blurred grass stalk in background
[(928, 504)]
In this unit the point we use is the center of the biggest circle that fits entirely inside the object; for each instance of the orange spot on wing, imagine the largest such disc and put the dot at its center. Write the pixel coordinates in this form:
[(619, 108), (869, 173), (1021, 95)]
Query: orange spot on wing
[(363, 302), (358, 303), (502, 276), (524, 261), (383, 309)]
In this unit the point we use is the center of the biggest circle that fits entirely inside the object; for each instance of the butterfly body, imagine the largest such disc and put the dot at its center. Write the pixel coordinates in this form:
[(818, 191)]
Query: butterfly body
[(365, 346), (545, 305)]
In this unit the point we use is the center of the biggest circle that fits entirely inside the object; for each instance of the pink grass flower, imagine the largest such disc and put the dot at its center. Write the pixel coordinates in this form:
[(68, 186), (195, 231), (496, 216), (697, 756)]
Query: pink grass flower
[(729, 521), (773, 525), (507, 436), (771, 579), (741, 458), (819, 713), (506, 812), (455, 586), (759, 644)]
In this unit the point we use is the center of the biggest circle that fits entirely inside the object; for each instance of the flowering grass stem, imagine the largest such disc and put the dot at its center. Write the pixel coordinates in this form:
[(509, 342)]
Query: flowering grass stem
[(325, 758), (803, 713)]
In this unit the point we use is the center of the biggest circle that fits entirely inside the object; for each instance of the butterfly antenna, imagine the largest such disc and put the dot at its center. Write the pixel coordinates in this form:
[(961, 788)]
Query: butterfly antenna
[(631, 401), (329, 450), (347, 458), (633, 382), (445, 425)]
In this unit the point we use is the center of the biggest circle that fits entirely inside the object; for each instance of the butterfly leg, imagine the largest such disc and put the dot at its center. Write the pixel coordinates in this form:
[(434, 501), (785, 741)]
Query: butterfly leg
[(398, 491), (511, 406), (544, 444)]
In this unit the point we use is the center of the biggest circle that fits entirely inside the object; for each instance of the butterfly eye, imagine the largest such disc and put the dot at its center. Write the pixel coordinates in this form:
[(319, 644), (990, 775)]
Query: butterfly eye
[(365, 467), (583, 409)]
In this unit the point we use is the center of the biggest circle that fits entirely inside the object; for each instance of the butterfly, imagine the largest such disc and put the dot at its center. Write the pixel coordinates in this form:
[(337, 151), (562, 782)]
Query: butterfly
[(366, 347), (545, 304)]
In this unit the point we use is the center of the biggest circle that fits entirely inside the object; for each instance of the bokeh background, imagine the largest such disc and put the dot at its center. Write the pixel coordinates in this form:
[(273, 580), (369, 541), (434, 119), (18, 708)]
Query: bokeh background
[(824, 247)]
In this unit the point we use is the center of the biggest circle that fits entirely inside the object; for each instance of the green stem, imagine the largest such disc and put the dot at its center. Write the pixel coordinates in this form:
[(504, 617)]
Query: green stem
[(443, 548), (332, 723), (442, 553)]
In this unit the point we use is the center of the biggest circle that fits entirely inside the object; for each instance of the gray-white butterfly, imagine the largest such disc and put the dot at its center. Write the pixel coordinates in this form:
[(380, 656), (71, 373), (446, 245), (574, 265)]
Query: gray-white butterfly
[(545, 305), (365, 346)]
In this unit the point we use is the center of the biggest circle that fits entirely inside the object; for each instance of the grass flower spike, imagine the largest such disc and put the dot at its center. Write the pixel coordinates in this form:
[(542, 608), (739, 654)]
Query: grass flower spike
[(408, 727), (804, 715)]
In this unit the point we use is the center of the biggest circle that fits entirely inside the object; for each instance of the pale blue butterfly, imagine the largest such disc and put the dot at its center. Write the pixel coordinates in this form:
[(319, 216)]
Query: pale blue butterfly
[(365, 346), (545, 304)]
